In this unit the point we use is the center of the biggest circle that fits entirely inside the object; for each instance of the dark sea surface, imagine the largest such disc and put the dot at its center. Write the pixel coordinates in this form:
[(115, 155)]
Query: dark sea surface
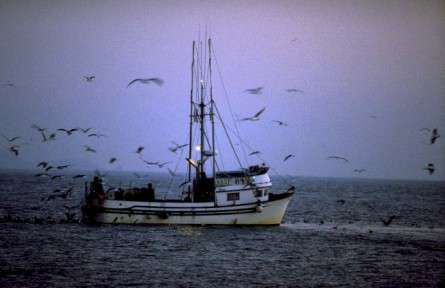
[(332, 236)]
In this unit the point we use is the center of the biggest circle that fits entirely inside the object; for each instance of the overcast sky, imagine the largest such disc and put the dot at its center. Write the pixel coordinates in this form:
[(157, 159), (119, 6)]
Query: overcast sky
[(372, 73)]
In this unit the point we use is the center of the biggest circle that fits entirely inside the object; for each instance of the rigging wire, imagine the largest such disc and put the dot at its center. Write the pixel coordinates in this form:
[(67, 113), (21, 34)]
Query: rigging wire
[(264, 161), (227, 134), (229, 105)]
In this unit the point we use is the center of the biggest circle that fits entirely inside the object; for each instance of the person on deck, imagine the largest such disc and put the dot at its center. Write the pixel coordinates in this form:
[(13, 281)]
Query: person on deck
[(150, 192), (98, 188)]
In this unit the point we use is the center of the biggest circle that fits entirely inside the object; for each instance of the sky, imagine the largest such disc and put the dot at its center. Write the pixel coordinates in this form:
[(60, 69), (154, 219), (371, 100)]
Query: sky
[(371, 72)]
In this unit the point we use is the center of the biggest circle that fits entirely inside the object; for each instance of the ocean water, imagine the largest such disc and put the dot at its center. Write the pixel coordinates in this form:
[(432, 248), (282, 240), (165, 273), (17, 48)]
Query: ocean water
[(332, 236)]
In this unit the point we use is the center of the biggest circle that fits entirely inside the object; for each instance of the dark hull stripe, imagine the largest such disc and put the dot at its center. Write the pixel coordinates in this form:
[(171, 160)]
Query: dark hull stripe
[(174, 213), (276, 197)]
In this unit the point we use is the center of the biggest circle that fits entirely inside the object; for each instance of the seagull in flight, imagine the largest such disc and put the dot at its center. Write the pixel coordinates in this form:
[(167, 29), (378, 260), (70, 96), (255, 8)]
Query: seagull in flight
[(176, 147), (288, 157), (430, 168), (51, 137), (254, 153), (150, 163), (85, 130), (254, 91), (96, 135), (294, 90), (434, 136), (112, 160), (48, 168), (157, 81), (387, 221), (42, 175), (14, 149), (42, 164), (139, 150), (68, 132), (89, 78), (161, 165), (38, 128), (57, 177), (62, 167), (338, 158), (359, 171), (79, 176), (280, 123), (89, 149), (254, 117), (9, 84), (10, 140)]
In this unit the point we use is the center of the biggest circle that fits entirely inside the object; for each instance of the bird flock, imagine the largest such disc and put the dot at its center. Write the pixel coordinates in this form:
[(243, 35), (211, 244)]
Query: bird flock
[(13, 145), (433, 133), (54, 172)]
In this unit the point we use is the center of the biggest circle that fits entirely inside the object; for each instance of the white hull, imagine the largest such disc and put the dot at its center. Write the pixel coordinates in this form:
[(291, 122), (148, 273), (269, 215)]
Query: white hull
[(177, 213)]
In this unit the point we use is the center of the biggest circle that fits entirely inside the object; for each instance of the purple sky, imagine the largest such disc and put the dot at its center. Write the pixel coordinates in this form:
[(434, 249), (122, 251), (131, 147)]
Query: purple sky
[(353, 59)]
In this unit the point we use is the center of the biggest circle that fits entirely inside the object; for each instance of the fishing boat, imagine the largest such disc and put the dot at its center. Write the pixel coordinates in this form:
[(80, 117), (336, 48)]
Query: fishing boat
[(209, 196)]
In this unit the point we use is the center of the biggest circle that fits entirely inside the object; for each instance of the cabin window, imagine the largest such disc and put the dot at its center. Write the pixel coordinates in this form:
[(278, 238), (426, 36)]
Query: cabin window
[(232, 196), (258, 193)]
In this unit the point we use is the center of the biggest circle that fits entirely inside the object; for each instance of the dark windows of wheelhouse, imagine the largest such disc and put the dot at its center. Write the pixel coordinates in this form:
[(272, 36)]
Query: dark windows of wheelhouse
[(232, 196)]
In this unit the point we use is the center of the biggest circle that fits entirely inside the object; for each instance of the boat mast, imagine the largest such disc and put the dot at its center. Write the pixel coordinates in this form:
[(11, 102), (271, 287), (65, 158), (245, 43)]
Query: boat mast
[(211, 110), (191, 114), (202, 114)]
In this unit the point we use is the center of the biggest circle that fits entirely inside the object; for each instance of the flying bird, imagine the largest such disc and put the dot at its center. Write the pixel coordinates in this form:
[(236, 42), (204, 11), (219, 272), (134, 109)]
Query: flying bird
[(42, 175), (254, 117), (9, 84), (157, 81), (38, 128), (359, 171), (89, 78), (85, 130), (430, 168), (434, 136), (112, 160), (51, 137), (96, 135), (288, 157), (150, 163), (387, 221), (338, 158), (176, 147), (161, 165), (57, 177), (79, 176), (294, 90), (280, 123), (14, 150), (254, 153), (139, 150), (89, 149), (254, 91), (68, 132), (11, 139), (62, 167), (48, 168), (42, 164)]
